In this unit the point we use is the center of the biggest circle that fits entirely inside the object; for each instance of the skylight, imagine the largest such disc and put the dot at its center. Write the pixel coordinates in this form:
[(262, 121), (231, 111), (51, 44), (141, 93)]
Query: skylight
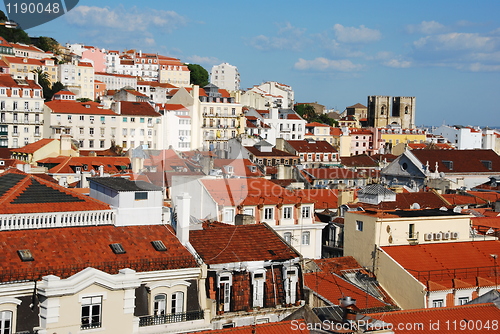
[(117, 248), (25, 255), (159, 245)]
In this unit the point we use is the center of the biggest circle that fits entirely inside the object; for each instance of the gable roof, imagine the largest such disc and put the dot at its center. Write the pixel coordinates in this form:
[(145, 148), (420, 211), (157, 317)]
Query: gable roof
[(439, 263), (478, 313), (76, 108), (137, 109), (250, 191), (222, 243), (64, 251), (27, 193), (464, 161), (33, 147)]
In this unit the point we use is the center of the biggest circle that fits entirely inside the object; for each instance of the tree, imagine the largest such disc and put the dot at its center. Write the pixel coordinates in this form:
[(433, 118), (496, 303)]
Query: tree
[(43, 80), (17, 35), (82, 99), (48, 44), (198, 75), (56, 87), (306, 111)]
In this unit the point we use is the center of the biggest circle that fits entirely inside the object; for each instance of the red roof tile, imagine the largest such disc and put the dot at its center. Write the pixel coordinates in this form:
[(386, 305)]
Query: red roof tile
[(361, 160), (464, 161), (64, 251), (337, 173), (337, 264), (459, 199), (444, 319), (241, 167), (26, 193), (324, 198), (138, 109), (426, 200), (440, 264), (284, 327), (62, 164), (222, 243), (274, 153), (33, 147), (304, 146), (74, 107)]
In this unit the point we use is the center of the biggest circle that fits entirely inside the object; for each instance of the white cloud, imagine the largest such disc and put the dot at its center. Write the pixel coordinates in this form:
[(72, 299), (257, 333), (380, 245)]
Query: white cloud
[(125, 19), (356, 35), (288, 37), (203, 60), (396, 63), (323, 64), (456, 41), (426, 27)]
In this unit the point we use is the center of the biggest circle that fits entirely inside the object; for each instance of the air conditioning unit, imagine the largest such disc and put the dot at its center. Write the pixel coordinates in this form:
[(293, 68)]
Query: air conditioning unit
[(455, 235), (438, 236), (446, 235), (428, 236)]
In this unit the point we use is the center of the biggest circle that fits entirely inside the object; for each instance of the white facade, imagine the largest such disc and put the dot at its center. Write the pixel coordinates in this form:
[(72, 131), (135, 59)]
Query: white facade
[(78, 78), (178, 126), (225, 76), (116, 81), (284, 124), (276, 95), (464, 138), (21, 106)]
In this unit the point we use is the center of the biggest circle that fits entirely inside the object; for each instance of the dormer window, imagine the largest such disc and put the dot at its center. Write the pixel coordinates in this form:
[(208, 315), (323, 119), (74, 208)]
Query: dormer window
[(448, 164), (258, 280)]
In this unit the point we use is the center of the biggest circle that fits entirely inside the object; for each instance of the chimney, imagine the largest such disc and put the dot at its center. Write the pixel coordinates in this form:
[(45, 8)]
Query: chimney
[(183, 214), (101, 170), (65, 145), (349, 307)]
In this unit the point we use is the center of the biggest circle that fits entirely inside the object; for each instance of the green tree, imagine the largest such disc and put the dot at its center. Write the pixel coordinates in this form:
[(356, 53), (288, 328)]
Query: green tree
[(43, 80), (306, 111), (198, 75), (56, 87), (13, 35), (48, 44), (82, 99)]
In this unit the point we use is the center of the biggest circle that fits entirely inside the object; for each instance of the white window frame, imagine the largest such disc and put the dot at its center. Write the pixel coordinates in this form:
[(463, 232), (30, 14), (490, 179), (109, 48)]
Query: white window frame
[(6, 321), (177, 302), (91, 302), (160, 305), (258, 282), (463, 300), (359, 225), (290, 279), (225, 282), (438, 303), (306, 238), (287, 212), (288, 237), (268, 213), (229, 215), (306, 212)]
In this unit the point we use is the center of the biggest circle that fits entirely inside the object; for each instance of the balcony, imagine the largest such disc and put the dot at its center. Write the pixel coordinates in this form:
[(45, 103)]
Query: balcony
[(91, 325), (152, 320)]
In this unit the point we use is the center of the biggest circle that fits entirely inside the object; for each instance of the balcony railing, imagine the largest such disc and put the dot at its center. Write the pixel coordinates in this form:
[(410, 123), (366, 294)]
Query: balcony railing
[(152, 320), (91, 325)]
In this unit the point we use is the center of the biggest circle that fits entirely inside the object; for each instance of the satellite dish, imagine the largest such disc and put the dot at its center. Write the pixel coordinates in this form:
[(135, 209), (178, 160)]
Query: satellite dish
[(443, 208), (441, 174), (457, 209), (390, 239), (415, 206), (388, 228)]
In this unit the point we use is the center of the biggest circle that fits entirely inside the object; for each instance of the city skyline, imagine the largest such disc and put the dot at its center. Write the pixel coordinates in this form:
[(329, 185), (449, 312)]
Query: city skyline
[(334, 53)]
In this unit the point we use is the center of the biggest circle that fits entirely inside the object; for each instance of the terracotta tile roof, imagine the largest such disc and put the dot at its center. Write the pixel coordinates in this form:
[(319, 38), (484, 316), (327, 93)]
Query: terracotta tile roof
[(488, 222), (138, 109), (381, 157), (464, 161), (324, 198), (155, 84), (333, 287), (62, 164), (28, 193), (446, 317), (33, 147), (357, 105), (337, 173), (174, 107), (75, 108), (426, 200), (440, 264), (314, 124), (335, 131), (222, 243), (489, 196), (459, 199), (251, 191), (274, 153), (361, 160), (337, 264), (293, 116), (304, 146), (11, 163), (115, 75), (122, 184), (64, 251), (7, 81), (283, 327), (102, 153)]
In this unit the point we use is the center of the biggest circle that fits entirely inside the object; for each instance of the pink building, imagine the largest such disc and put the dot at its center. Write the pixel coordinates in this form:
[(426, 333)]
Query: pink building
[(361, 141), (96, 56)]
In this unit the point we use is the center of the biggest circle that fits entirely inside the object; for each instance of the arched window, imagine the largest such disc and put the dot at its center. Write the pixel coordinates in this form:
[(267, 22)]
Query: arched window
[(160, 304)]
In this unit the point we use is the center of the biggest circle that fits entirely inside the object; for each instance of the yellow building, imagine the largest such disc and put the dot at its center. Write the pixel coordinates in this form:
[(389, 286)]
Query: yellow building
[(23, 67)]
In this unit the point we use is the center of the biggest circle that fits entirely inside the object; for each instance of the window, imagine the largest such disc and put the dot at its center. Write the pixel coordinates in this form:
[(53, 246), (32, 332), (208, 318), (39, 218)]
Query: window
[(225, 282), (132, 119), (228, 215), (177, 304), (91, 131), (258, 280), (288, 237), (91, 143), (290, 278), (306, 212), (124, 119), (359, 225), (268, 213), (101, 144), (160, 305), (6, 322), (91, 312), (437, 303), (141, 119), (463, 300), (141, 196), (82, 118), (248, 211), (103, 119), (287, 212), (306, 238)]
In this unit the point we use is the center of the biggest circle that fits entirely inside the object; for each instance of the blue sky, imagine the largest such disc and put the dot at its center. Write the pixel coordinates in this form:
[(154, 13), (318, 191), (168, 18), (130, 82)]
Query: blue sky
[(446, 53)]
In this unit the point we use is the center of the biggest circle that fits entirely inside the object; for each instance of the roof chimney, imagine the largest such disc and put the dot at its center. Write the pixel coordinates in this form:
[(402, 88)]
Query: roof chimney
[(183, 208)]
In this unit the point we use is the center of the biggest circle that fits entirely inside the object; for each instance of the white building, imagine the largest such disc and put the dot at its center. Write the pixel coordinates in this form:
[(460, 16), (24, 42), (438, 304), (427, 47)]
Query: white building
[(78, 78), (282, 123), (225, 76), (21, 106), (463, 137), (115, 81), (177, 120), (269, 94)]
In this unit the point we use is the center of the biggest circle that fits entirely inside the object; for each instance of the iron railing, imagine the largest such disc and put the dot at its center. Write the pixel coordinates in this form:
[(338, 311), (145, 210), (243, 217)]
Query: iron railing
[(152, 320)]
